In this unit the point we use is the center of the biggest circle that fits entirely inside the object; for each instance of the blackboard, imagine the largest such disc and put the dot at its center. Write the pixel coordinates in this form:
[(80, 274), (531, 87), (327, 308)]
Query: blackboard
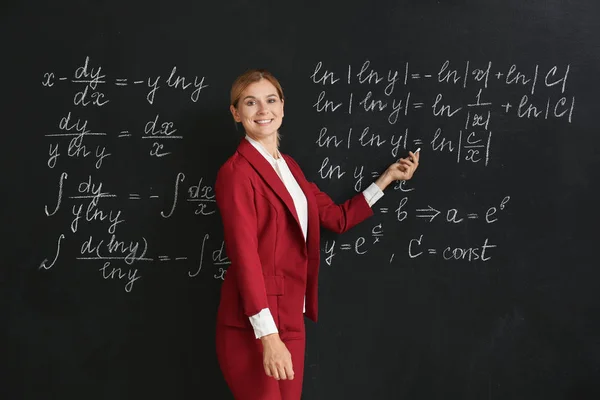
[(478, 279)]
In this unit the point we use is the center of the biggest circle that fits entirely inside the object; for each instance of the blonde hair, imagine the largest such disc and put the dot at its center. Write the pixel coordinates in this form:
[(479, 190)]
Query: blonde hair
[(251, 76)]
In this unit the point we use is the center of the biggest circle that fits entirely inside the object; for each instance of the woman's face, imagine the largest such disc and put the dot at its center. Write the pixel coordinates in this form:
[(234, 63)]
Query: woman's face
[(260, 110)]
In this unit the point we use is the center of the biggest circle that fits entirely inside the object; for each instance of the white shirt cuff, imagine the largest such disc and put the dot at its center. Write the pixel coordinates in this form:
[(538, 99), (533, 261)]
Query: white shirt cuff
[(263, 323), (372, 194)]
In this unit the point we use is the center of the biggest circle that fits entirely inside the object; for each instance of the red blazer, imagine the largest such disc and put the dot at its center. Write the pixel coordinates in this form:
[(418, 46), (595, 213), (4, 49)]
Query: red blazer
[(271, 264)]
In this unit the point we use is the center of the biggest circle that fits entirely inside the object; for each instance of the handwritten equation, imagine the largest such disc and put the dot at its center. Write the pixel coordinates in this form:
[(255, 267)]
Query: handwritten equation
[(377, 102), (369, 106), (91, 201)]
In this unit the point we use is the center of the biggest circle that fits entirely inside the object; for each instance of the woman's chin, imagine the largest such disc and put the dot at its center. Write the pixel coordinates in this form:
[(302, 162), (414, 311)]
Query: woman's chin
[(262, 133)]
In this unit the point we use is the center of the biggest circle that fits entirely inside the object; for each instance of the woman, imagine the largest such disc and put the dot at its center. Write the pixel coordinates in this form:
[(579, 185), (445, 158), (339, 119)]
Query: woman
[(271, 216)]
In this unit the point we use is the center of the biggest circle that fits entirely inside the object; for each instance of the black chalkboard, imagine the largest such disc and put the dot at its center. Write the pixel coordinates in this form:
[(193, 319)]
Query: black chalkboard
[(478, 279)]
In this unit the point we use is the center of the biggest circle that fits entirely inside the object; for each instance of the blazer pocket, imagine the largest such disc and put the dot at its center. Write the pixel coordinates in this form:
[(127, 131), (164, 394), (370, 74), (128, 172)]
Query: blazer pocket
[(274, 288), (274, 285)]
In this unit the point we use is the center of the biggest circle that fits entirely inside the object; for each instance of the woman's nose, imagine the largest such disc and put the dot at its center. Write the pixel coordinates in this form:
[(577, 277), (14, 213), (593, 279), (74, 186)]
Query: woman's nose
[(262, 108)]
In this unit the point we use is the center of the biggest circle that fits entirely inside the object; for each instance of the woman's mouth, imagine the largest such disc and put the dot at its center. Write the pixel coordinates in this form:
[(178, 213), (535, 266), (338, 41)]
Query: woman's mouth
[(263, 121)]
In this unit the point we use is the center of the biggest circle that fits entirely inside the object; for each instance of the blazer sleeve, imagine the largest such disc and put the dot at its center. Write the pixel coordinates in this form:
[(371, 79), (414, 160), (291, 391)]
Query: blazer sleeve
[(341, 217), (337, 217), (235, 199)]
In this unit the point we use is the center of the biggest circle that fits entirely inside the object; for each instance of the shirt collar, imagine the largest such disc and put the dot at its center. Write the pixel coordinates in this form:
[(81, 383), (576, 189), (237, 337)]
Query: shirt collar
[(261, 149)]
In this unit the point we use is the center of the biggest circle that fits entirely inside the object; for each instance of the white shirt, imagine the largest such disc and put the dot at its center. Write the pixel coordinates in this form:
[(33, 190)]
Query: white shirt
[(263, 322)]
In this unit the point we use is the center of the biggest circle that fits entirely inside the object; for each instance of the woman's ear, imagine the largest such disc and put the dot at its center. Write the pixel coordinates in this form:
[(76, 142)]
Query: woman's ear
[(235, 114)]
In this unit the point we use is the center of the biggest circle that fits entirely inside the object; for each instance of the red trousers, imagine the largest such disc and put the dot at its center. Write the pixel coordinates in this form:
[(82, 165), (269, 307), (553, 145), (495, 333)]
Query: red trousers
[(241, 361)]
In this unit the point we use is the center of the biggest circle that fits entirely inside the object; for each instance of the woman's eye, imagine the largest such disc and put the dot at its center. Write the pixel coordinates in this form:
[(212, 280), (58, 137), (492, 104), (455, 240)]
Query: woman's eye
[(272, 100), (250, 103)]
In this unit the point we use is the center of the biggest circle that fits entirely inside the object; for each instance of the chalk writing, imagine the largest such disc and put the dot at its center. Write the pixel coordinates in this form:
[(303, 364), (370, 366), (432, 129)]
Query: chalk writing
[(454, 110), (90, 202)]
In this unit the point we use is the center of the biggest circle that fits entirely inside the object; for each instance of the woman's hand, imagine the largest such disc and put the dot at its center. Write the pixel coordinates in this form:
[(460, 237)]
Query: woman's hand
[(401, 170), (277, 359)]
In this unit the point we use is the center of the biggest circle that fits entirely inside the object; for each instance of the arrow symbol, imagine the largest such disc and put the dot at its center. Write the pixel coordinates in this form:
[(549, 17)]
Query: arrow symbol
[(429, 212)]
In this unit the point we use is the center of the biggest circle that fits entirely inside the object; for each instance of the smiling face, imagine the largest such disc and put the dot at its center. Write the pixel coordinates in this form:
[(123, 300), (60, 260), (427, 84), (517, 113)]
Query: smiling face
[(260, 110)]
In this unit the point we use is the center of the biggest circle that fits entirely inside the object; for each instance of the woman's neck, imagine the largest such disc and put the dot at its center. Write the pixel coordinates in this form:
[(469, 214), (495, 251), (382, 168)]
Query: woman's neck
[(270, 144)]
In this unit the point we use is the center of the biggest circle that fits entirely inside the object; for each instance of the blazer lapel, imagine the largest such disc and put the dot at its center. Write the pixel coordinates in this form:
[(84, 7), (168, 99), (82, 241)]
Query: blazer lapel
[(268, 173), (312, 239)]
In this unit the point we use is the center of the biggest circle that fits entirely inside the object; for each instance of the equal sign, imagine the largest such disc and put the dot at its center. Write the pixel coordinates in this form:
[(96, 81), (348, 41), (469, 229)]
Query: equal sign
[(432, 251), (345, 246), (163, 258), (417, 142), (375, 174), (418, 105), (121, 82), (134, 196), (124, 134), (472, 216), (415, 76), (383, 210)]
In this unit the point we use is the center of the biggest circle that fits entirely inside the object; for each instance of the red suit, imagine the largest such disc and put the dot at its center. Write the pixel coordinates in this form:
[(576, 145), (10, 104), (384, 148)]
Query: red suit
[(271, 266)]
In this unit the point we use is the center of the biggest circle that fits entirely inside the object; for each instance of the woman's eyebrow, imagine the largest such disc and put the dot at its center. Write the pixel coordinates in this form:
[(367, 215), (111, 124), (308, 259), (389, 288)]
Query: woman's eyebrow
[(252, 97)]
